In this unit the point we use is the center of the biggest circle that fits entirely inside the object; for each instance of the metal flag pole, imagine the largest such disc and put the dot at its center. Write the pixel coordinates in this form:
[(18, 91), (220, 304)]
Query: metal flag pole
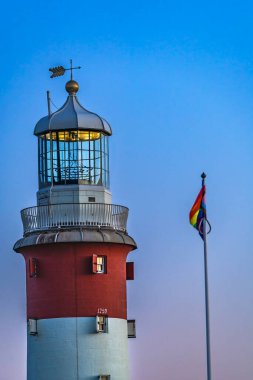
[(208, 350)]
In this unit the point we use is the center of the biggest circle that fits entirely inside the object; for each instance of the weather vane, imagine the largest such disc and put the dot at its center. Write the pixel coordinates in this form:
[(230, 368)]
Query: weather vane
[(60, 70)]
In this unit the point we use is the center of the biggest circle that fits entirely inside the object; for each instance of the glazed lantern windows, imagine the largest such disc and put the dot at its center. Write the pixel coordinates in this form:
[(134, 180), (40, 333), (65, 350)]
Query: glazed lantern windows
[(73, 157)]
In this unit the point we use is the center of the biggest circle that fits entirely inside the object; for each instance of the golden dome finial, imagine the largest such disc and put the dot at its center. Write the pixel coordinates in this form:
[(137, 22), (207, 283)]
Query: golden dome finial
[(72, 87)]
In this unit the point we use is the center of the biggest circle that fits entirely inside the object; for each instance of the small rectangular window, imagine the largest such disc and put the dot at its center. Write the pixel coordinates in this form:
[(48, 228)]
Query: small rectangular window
[(33, 267), (102, 322), (32, 326), (131, 328), (98, 264), (91, 199), (130, 271)]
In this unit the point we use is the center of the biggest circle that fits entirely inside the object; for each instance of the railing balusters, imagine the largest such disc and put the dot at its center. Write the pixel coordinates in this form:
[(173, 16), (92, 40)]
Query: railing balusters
[(75, 214)]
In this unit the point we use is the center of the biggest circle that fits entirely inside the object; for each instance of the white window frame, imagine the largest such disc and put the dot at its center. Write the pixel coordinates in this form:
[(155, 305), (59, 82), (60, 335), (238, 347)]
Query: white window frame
[(99, 264), (102, 320)]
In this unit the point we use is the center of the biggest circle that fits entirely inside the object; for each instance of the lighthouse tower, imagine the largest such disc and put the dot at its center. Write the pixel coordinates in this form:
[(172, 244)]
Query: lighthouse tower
[(75, 247)]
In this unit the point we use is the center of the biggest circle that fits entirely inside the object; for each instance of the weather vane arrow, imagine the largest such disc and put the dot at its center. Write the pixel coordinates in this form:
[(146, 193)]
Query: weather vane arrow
[(60, 70)]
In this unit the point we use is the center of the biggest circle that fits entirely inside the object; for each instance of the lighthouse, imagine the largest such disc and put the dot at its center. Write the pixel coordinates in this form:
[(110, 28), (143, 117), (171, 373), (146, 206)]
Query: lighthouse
[(75, 245)]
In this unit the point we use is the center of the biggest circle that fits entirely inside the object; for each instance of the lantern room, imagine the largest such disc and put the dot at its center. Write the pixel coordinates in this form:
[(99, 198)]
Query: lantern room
[(73, 145)]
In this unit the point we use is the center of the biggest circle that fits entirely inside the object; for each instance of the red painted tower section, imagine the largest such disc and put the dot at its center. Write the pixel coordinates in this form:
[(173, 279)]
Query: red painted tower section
[(65, 285)]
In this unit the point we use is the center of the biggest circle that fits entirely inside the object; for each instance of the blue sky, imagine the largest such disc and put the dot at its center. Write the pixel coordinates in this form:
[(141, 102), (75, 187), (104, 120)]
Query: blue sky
[(175, 81)]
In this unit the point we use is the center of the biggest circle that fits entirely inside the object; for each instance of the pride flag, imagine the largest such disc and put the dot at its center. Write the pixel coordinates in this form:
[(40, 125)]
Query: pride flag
[(198, 211)]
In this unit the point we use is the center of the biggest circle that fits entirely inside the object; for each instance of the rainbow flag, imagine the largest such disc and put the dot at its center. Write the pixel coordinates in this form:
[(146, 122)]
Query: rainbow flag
[(198, 211)]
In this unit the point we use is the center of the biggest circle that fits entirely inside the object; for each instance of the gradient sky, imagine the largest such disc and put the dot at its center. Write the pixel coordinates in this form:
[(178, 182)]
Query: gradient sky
[(175, 81)]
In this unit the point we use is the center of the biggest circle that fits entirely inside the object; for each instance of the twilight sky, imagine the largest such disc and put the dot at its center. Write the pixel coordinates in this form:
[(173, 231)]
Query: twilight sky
[(175, 81)]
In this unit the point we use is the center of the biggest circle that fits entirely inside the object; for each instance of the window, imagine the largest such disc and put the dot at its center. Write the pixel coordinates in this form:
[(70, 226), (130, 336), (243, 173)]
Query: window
[(102, 324), (130, 271), (98, 264), (104, 377), (131, 328), (33, 267), (32, 326), (91, 199)]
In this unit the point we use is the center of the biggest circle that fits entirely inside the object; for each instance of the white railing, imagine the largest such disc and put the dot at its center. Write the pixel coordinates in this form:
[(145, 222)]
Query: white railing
[(67, 215)]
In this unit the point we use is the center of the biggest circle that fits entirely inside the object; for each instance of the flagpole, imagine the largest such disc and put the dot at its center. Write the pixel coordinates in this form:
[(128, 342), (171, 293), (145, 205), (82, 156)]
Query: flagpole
[(208, 350)]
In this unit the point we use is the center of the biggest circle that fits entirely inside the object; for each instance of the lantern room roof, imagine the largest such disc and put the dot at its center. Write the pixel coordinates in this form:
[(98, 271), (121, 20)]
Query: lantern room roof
[(72, 116)]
